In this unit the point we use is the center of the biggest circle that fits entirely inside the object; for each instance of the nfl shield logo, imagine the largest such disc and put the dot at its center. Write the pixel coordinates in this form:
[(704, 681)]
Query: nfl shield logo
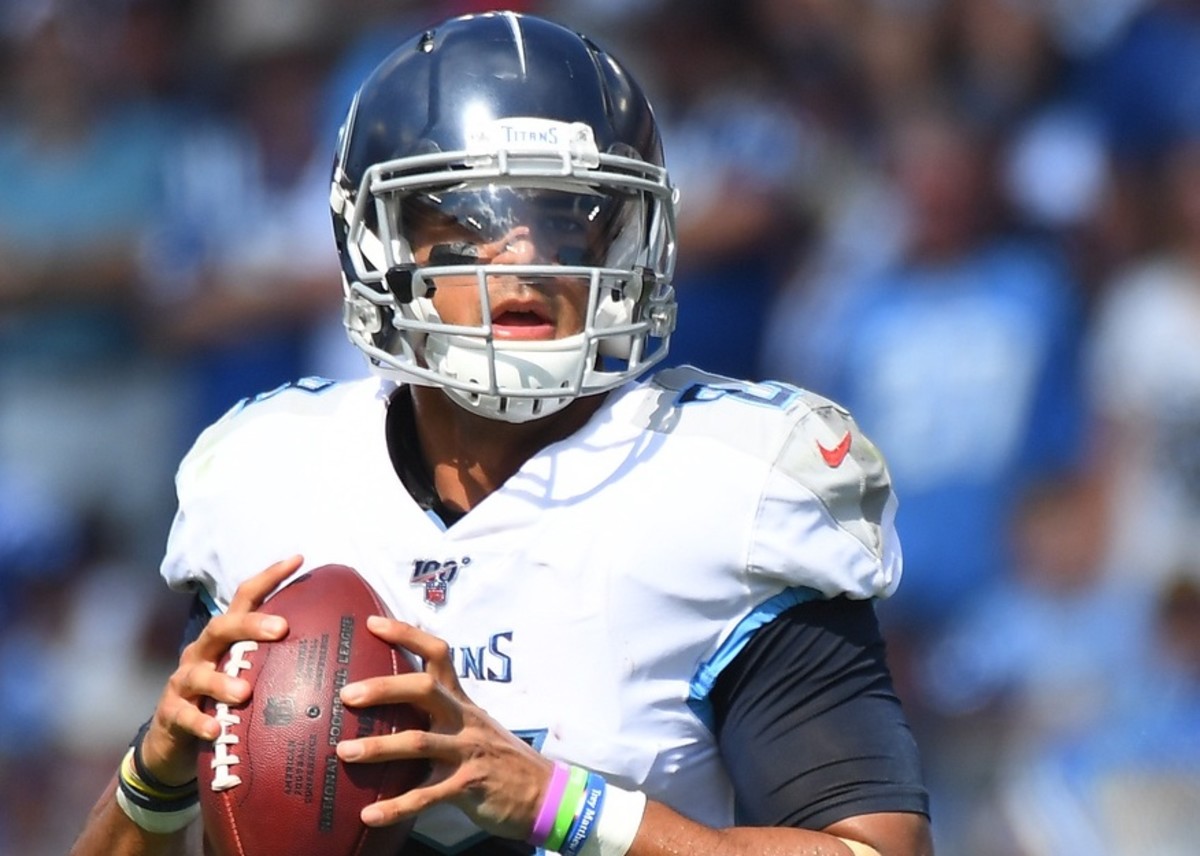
[(436, 577), (435, 591)]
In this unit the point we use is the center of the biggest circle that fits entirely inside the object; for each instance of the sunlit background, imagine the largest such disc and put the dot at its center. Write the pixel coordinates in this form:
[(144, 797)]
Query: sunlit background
[(974, 222)]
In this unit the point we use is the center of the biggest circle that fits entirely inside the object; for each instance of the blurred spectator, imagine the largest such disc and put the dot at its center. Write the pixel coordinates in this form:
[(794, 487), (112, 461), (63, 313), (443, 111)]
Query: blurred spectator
[(739, 150), (87, 636), (233, 31), (242, 269), (1058, 630), (1130, 784), (83, 408), (959, 358), (1085, 28), (1142, 80), (39, 543), (1145, 385), (1057, 175), (1044, 653), (815, 50), (37, 536), (1011, 74), (1003, 61)]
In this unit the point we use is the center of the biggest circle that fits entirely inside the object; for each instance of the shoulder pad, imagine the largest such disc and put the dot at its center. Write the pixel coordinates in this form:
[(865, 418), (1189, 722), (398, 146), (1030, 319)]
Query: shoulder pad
[(802, 435), (828, 454)]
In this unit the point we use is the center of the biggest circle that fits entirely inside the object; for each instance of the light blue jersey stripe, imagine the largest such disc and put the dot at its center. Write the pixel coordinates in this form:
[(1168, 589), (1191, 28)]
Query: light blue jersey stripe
[(706, 676), (207, 599)]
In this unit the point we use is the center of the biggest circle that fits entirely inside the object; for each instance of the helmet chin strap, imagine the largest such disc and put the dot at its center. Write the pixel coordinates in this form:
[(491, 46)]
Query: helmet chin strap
[(520, 367)]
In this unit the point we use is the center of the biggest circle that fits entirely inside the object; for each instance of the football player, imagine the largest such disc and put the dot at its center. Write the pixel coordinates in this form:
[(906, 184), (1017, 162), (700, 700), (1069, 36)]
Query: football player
[(642, 601)]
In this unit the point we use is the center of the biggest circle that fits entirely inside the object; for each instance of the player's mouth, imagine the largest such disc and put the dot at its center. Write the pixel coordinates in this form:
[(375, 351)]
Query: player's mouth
[(522, 322)]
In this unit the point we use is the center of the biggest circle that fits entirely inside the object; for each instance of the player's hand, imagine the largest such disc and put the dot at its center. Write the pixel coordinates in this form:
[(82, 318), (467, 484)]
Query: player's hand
[(169, 748), (477, 765)]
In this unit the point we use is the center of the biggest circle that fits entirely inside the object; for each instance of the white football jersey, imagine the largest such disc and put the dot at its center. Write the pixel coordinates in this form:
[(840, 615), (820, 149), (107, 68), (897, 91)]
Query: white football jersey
[(592, 601)]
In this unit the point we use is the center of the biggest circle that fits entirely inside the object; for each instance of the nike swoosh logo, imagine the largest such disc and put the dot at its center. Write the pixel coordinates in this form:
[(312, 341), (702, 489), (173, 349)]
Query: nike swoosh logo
[(837, 454)]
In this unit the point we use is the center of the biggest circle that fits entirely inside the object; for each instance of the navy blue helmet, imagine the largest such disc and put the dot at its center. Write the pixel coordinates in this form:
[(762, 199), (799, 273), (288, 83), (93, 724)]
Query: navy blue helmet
[(477, 127)]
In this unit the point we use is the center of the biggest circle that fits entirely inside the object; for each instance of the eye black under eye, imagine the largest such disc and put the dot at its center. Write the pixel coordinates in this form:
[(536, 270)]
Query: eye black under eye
[(456, 253)]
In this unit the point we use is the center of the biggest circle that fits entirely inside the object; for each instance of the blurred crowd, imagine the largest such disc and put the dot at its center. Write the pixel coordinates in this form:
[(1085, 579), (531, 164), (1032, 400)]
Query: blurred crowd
[(976, 223)]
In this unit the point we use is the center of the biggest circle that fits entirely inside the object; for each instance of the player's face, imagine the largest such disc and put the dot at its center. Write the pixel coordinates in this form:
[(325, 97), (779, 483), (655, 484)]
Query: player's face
[(520, 307), (504, 226)]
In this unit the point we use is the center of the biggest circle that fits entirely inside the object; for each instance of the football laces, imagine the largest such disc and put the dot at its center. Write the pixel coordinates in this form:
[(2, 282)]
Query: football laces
[(224, 758)]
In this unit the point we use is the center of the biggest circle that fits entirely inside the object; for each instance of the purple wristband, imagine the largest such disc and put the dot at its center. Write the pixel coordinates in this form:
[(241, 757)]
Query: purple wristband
[(546, 814)]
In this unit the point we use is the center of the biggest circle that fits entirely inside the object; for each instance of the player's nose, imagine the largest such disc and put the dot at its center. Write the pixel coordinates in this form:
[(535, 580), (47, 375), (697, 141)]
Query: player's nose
[(519, 248)]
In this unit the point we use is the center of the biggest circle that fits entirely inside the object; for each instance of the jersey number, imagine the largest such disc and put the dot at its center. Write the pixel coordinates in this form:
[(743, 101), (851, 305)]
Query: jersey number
[(767, 394)]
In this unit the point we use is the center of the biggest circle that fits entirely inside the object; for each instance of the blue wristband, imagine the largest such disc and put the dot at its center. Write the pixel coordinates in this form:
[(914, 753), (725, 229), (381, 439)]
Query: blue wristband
[(589, 813)]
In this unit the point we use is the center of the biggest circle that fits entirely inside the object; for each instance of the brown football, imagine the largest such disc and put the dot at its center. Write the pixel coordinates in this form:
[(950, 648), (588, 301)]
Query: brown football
[(272, 784)]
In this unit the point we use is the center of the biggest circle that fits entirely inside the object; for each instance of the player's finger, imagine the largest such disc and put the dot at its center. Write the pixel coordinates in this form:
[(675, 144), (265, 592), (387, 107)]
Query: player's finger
[(435, 652), (197, 680), (252, 592), (420, 689), (412, 802), (168, 748), (224, 630), (402, 746), (190, 721), (228, 628)]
